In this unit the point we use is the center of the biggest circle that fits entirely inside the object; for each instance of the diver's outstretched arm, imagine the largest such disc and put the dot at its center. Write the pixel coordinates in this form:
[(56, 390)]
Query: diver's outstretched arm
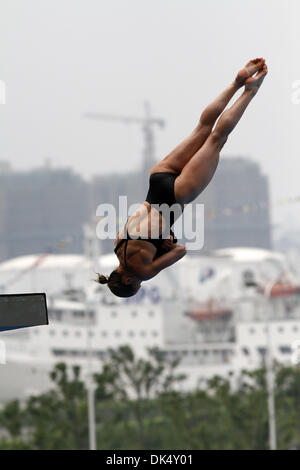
[(164, 261)]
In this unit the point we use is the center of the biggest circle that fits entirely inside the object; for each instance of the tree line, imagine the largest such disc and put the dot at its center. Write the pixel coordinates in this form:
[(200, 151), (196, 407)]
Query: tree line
[(140, 405)]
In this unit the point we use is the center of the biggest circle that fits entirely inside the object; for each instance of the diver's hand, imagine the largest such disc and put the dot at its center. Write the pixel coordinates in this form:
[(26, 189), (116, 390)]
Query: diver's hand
[(168, 244), (164, 261), (181, 249)]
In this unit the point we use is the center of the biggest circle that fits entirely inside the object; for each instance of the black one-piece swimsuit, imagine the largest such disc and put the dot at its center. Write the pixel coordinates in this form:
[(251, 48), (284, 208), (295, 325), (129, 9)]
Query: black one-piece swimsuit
[(161, 191)]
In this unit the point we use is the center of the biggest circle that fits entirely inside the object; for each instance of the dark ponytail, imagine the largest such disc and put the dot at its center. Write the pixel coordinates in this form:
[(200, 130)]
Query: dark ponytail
[(102, 279)]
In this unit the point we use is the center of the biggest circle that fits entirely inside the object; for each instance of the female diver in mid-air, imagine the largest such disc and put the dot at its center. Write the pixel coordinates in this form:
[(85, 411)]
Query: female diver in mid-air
[(179, 178)]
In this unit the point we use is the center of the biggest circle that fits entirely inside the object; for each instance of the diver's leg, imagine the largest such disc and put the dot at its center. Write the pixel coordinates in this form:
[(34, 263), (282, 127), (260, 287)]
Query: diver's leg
[(198, 172), (181, 155)]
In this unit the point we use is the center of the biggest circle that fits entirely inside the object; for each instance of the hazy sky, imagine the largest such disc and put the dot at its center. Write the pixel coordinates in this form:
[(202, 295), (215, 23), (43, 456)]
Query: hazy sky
[(60, 58)]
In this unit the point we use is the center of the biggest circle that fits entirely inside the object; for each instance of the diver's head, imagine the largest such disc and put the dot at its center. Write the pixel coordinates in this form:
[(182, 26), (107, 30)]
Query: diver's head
[(121, 283)]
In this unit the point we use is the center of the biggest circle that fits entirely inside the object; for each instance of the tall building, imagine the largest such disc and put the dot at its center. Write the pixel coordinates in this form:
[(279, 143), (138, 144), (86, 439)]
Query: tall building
[(237, 206), (42, 210)]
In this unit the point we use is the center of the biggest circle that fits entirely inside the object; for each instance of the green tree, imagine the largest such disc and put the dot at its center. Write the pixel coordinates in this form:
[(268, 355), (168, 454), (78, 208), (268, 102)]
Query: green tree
[(58, 419), (136, 382), (288, 406), (11, 418), (139, 405)]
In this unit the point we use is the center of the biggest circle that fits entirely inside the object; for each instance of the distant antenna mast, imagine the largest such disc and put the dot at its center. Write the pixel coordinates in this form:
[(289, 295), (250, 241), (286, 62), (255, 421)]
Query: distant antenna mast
[(147, 123), (91, 251)]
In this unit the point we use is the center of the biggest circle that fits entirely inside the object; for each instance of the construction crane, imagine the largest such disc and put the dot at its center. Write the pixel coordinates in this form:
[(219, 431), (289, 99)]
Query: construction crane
[(147, 122)]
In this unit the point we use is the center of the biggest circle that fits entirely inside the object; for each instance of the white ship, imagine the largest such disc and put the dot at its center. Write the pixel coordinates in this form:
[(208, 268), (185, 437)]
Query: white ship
[(209, 310)]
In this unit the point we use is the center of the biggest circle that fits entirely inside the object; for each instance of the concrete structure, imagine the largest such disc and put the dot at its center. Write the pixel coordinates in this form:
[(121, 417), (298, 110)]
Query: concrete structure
[(239, 195), (42, 210)]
